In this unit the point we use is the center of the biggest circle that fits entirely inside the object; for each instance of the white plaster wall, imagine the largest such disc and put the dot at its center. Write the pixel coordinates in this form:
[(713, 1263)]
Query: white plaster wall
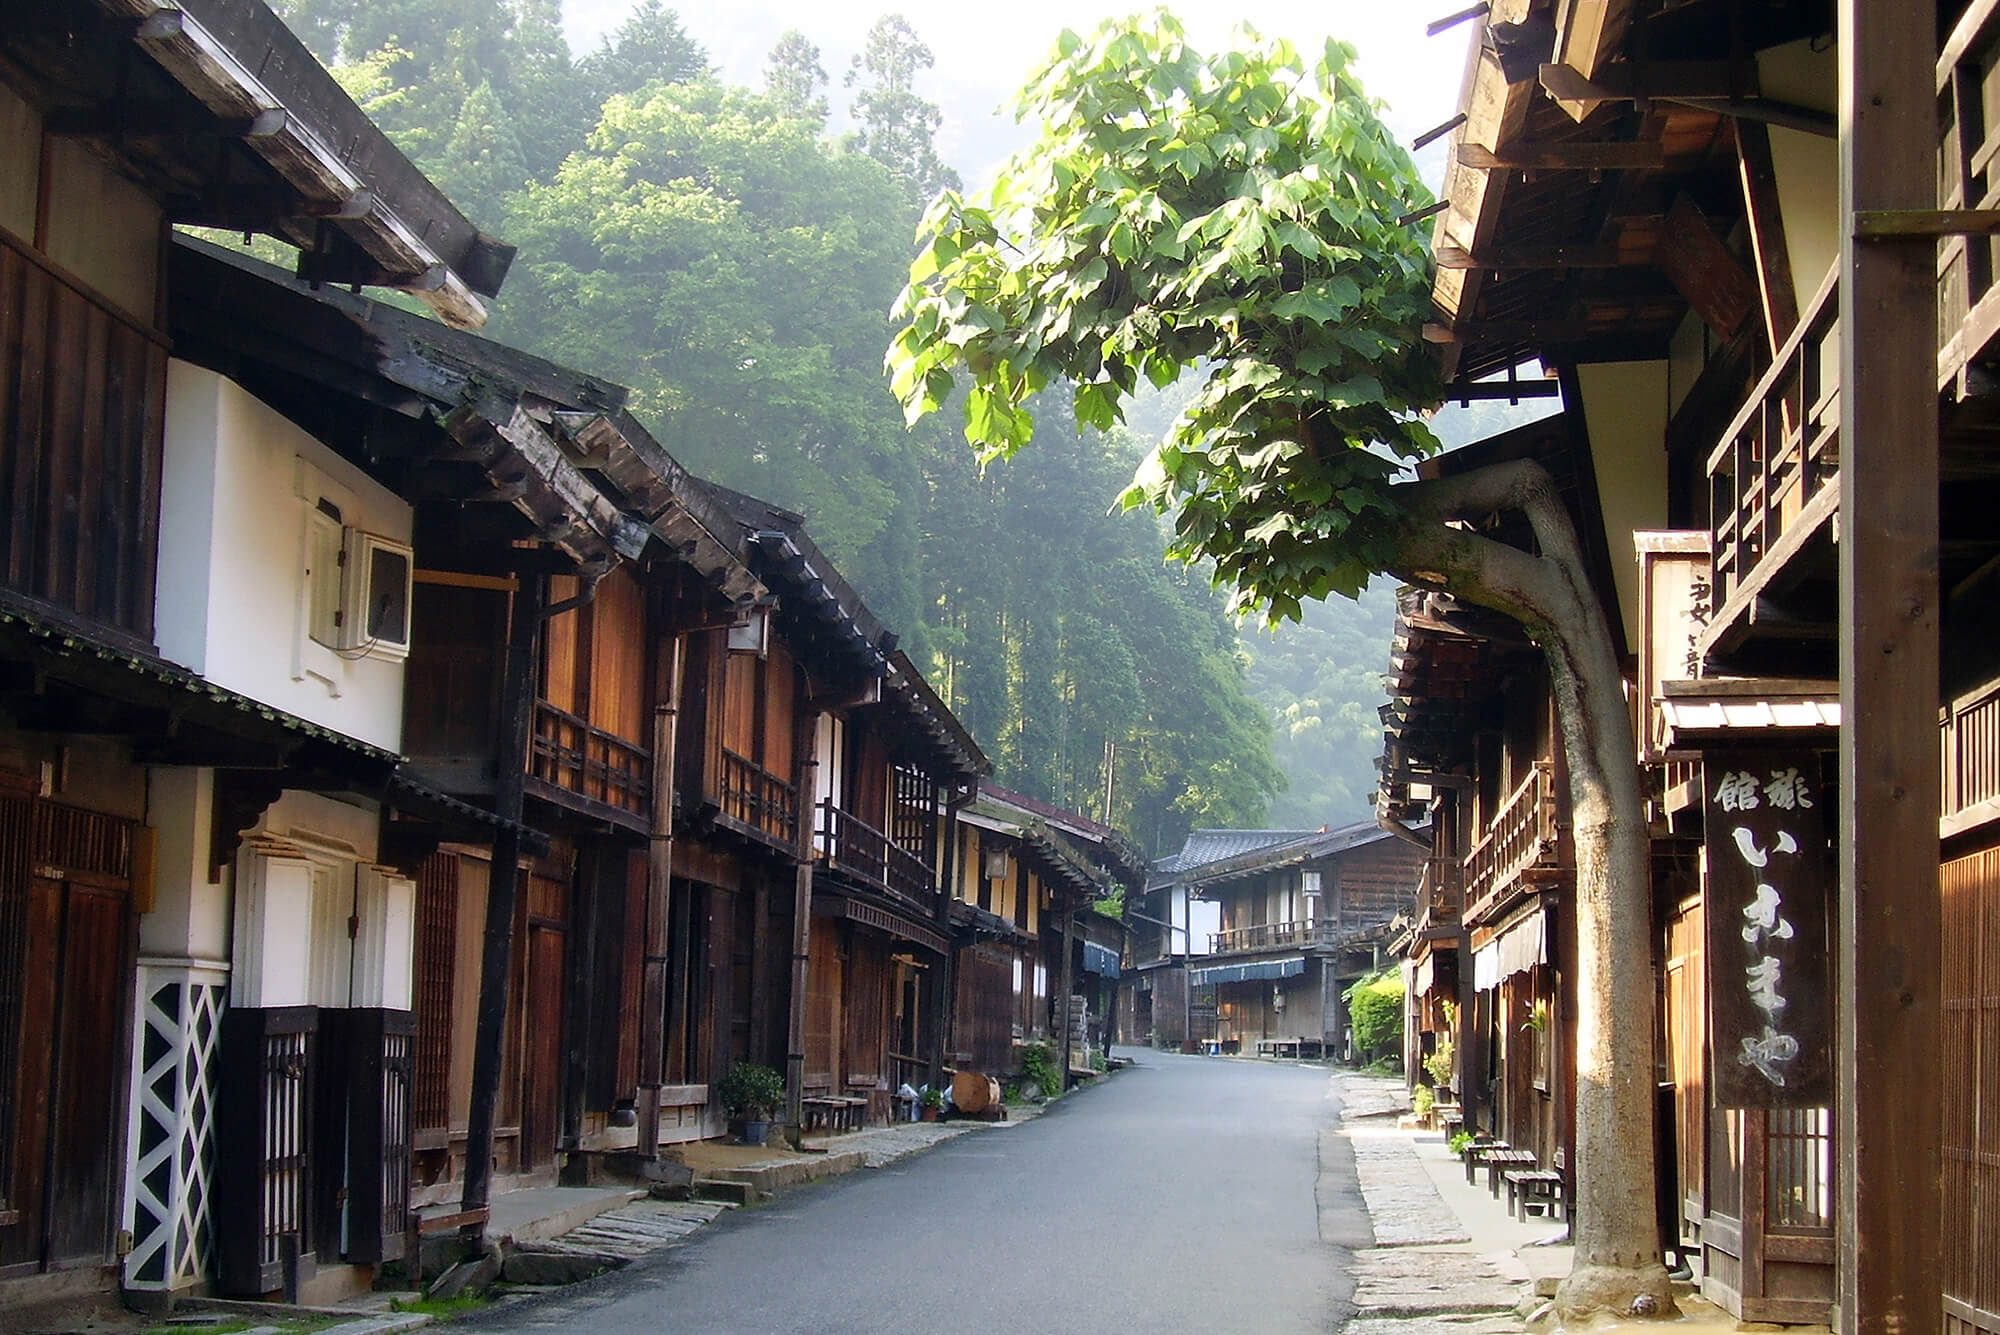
[(301, 874), (1201, 917), (230, 602), (1625, 411), (1807, 165), (190, 917)]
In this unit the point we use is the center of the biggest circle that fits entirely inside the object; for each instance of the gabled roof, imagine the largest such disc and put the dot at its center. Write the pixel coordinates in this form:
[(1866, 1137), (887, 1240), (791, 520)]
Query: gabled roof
[(1206, 846), (1085, 841), (1268, 856), (835, 633), (220, 112)]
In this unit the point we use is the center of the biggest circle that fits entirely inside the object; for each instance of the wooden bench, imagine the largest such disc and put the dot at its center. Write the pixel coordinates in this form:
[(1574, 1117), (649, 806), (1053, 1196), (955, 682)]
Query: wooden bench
[(820, 1109), (1544, 1187), (1473, 1152), (1502, 1161)]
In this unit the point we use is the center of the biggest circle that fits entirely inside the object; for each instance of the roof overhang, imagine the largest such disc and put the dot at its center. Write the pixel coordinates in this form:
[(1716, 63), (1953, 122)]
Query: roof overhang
[(360, 211)]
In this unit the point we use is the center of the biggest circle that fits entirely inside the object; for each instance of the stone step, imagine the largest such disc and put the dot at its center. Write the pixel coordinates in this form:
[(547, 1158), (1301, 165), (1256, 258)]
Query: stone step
[(725, 1189)]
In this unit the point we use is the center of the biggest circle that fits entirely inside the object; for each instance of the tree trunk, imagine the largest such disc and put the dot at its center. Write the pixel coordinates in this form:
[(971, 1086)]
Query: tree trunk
[(1618, 1265)]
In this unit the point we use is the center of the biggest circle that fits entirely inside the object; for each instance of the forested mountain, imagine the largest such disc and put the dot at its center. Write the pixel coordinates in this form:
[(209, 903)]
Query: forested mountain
[(717, 250)]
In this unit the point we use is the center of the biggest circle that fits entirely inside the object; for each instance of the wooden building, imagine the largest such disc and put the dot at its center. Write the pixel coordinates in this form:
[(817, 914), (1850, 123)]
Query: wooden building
[(1036, 957), (200, 936), (882, 766), (1769, 319), (1300, 917)]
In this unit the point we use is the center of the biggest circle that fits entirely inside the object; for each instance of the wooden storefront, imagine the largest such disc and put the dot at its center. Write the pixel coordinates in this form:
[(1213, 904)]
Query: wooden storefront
[(66, 954)]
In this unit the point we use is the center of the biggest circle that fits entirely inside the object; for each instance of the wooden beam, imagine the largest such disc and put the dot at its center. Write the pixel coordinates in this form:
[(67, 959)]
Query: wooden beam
[(1765, 219), (264, 208), (1534, 257), (1712, 86), (1578, 155), (1512, 390), (1889, 1008), (161, 117), (1628, 79), (1887, 224), (1509, 331), (1698, 263)]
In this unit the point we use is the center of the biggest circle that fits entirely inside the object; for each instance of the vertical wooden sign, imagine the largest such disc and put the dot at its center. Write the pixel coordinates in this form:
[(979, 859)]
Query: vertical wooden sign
[(1770, 1006)]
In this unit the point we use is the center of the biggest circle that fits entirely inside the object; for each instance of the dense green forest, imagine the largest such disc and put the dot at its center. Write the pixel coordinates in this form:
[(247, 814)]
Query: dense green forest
[(720, 251)]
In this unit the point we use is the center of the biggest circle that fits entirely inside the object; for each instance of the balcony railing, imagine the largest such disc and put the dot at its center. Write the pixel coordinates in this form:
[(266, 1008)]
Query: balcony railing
[(1778, 459), (1969, 144), (1272, 936), (82, 407), (590, 762), (757, 800), (851, 845), (1441, 892), (1520, 837), (1970, 752)]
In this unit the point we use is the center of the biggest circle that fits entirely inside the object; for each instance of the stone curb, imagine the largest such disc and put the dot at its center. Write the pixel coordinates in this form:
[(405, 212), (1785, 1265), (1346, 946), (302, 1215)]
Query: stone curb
[(351, 1323)]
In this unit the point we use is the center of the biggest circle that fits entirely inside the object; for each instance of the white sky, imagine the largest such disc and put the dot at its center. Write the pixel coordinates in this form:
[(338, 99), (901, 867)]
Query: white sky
[(983, 51)]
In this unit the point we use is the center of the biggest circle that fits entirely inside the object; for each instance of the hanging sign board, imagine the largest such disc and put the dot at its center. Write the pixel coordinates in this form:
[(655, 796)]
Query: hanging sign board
[(1770, 1009)]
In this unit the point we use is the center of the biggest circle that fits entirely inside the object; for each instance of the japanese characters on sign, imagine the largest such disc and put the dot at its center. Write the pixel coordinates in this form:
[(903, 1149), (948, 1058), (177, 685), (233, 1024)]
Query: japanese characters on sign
[(1767, 930)]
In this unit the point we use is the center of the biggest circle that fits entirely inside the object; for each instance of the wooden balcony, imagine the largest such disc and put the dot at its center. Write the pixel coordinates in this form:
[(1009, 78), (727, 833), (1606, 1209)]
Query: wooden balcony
[(1440, 895), (848, 844), (82, 406), (1272, 936), (753, 801), (1968, 147), (1520, 843), (570, 755), (1773, 478), (1969, 730)]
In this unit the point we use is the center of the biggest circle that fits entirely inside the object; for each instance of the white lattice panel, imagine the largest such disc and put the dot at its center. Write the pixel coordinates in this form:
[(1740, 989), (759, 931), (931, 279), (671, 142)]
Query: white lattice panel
[(171, 1148)]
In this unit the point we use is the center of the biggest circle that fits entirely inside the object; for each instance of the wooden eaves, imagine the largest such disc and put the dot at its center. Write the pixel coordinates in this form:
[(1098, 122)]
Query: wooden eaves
[(469, 422), (298, 159)]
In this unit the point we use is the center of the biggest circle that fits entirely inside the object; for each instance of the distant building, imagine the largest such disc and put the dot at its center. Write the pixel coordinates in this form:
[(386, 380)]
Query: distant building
[(1246, 939)]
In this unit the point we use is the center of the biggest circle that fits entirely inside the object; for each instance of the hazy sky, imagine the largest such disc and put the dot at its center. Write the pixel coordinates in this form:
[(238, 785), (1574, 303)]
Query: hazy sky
[(981, 59)]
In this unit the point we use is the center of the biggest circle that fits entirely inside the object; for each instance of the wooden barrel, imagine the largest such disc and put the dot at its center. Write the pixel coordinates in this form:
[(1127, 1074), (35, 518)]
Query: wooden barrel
[(974, 1092)]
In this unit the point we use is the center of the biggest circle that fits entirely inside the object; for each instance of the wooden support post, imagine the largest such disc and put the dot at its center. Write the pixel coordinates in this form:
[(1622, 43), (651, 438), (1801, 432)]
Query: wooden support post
[(517, 703), (1066, 925), (659, 895), (795, 1029), (1765, 220), (1887, 949), (580, 1018), (944, 972)]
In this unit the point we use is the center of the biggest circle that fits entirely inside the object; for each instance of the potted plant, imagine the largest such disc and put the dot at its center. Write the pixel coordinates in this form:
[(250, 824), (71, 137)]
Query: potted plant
[(752, 1093), (932, 1104)]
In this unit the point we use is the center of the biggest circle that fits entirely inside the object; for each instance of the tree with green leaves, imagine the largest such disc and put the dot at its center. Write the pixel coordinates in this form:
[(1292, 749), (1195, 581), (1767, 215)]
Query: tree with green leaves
[(794, 78), (1241, 213), (649, 47), (897, 126)]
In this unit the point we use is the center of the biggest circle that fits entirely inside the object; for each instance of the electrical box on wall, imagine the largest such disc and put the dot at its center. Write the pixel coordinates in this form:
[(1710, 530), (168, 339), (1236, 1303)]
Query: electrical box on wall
[(360, 587)]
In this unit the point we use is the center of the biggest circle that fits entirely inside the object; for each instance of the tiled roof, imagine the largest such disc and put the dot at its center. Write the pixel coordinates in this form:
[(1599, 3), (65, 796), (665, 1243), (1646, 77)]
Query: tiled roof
[(1206, 846)]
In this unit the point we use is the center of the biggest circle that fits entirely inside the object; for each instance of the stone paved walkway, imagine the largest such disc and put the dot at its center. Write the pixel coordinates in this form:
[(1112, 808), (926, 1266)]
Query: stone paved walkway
[(640, 1228), (1423, 1276)]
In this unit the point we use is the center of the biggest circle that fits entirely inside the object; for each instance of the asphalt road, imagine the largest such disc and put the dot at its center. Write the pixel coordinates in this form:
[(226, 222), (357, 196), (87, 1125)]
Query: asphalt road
[(1184, 1195)]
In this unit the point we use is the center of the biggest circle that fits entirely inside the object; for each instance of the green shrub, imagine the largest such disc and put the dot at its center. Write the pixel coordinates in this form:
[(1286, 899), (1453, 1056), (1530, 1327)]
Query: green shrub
[(1422, 1100), (1459, 1140), (1038, 1066), (751, 1091), (1375, 1006), (1442, 1064)]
